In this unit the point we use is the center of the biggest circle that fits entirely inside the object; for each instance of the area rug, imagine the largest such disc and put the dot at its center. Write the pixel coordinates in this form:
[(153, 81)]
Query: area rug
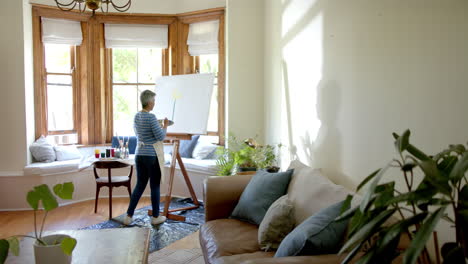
[(177, 256), (166, 233)]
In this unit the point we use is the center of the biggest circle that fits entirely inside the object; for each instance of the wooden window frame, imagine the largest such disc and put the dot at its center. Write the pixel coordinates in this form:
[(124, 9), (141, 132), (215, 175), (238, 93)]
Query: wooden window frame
[(40, 74), (93, 107)]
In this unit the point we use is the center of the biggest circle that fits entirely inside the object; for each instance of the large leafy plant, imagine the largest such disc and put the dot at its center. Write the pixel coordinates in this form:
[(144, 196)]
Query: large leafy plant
[(444, 187), (43, 194)]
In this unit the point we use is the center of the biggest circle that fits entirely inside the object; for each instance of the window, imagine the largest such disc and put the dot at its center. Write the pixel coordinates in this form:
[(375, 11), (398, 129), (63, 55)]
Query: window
[(209, 64), (133, 71), (60, 92), (87, 82)]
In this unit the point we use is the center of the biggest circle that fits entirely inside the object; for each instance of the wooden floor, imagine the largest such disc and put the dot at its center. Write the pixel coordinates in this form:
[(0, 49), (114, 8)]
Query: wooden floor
[(76, 216), (72, 216)]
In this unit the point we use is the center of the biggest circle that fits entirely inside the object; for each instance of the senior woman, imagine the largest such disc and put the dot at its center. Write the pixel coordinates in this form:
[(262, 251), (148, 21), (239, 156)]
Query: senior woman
[(148, 131)]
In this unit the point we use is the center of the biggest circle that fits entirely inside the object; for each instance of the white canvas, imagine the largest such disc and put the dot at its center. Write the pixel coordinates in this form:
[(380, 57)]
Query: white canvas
[(184, 99)]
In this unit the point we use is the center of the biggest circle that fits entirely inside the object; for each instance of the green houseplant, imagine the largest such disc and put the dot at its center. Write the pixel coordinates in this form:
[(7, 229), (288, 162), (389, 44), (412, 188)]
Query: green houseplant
[(444, 187), (245, 155), (42, 193)]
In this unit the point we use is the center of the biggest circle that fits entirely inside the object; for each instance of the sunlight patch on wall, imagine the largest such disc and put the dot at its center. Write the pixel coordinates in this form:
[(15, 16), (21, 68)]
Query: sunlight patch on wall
[(302, 73)]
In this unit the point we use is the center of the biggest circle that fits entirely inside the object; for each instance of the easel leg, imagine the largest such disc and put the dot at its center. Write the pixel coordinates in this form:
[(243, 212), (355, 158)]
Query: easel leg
[(187, 179), (171, 178)]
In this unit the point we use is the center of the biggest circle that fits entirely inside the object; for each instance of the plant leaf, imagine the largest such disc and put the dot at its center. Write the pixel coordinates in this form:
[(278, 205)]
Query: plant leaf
[(67, 245), (370, 192), (33, 199), (460, 168), (401, 143), (353, 253), (367, 179), (14, 245), (422, 235), (64, 191), (434, 177), (346, 204), (367, 230), (48, 199), (385, 193), (397, 229), (4, 247)]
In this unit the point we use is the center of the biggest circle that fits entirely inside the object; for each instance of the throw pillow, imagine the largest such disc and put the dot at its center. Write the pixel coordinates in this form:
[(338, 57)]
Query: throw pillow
[(317, 235), (263, 189), (186, 147), (203, 150), (276, 224), (310, 190), (42, 150), (67, 153)]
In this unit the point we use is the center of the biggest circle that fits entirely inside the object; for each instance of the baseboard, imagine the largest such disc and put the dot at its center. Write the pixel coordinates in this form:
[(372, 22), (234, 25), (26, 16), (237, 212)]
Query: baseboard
[(82, 200), (11, 173)]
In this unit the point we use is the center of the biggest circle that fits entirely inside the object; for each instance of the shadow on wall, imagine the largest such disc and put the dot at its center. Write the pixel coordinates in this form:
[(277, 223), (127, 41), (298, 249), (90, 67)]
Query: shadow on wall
[(311, 102)]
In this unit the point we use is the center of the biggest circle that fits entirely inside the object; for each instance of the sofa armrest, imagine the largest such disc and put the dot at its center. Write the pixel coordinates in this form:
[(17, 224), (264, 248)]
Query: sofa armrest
[(221, 194), (319, 259)]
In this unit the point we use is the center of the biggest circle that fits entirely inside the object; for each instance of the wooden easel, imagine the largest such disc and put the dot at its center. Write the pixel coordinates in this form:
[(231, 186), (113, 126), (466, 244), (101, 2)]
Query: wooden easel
[(175, 140)]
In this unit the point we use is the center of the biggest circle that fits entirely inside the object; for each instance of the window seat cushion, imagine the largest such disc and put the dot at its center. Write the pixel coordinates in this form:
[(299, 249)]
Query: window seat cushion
[(207, 166), (50, 168), (68, 166)]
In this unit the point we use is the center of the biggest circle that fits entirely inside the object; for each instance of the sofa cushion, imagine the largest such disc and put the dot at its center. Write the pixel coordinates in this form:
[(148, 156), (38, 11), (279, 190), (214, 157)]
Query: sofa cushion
[(317, 235), (263, 189), (226, 237), (276, 224), (310, 191)]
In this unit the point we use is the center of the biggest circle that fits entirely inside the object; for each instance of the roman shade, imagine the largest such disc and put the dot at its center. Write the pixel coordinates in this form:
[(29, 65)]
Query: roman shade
[(136, 36), (60, 31), (203, 38)]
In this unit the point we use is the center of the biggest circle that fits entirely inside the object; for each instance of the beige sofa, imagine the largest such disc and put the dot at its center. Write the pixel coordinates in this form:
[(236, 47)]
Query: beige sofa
[(225, 240)]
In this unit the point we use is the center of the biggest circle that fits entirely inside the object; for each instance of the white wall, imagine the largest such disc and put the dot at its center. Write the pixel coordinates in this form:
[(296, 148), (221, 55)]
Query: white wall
[(12, 106), (244, 67), (158, 6), (341, 76)]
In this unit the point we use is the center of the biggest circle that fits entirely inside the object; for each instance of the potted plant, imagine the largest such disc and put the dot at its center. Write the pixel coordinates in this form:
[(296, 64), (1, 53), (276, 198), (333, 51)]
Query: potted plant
[(57, 247), (420, 206), (245, 155)]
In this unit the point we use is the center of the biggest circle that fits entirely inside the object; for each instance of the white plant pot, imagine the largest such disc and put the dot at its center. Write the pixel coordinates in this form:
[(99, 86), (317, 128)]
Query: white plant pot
[(51, 254)]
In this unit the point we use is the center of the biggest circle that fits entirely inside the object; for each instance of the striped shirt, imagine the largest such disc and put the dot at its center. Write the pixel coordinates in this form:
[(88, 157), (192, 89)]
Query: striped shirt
[(147, 131)]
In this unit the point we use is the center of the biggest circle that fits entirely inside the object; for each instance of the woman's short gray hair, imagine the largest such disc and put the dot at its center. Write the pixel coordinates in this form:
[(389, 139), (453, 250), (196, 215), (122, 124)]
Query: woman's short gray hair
[(146, 97)]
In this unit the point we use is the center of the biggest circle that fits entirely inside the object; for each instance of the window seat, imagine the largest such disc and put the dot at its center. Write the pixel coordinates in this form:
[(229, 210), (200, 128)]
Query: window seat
[(70, 166), (52, 168)]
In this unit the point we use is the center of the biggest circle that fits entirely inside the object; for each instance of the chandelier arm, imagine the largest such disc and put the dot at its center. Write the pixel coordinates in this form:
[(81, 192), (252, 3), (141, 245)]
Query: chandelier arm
[(123, 8), (84, 7), (66, 7), (107, 6)]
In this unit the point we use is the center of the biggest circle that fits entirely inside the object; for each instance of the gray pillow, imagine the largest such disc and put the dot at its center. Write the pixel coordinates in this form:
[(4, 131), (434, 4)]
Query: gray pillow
[(42, 150), (277, 223), (186, 147), (263, 189), (319, 234)]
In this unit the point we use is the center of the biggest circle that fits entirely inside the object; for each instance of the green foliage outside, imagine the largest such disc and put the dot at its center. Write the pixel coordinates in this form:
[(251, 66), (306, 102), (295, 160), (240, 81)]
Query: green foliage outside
[(444, 187), (41, 194)]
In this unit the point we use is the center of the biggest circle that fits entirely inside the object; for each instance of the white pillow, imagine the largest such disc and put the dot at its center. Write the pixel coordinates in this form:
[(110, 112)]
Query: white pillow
[(203, 150), (310, 191), (67, 152), (42, 150)]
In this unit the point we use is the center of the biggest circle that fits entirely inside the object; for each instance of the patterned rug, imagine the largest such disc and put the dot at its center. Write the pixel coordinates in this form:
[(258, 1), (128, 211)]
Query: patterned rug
[(177, 256), (166, 233)]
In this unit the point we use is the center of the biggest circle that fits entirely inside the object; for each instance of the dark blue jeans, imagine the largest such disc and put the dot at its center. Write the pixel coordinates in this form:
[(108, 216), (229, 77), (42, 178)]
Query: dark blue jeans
[(147, 168)]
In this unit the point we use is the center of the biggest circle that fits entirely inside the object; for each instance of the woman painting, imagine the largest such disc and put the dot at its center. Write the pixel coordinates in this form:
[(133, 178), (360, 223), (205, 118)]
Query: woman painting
[(148, 131)]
